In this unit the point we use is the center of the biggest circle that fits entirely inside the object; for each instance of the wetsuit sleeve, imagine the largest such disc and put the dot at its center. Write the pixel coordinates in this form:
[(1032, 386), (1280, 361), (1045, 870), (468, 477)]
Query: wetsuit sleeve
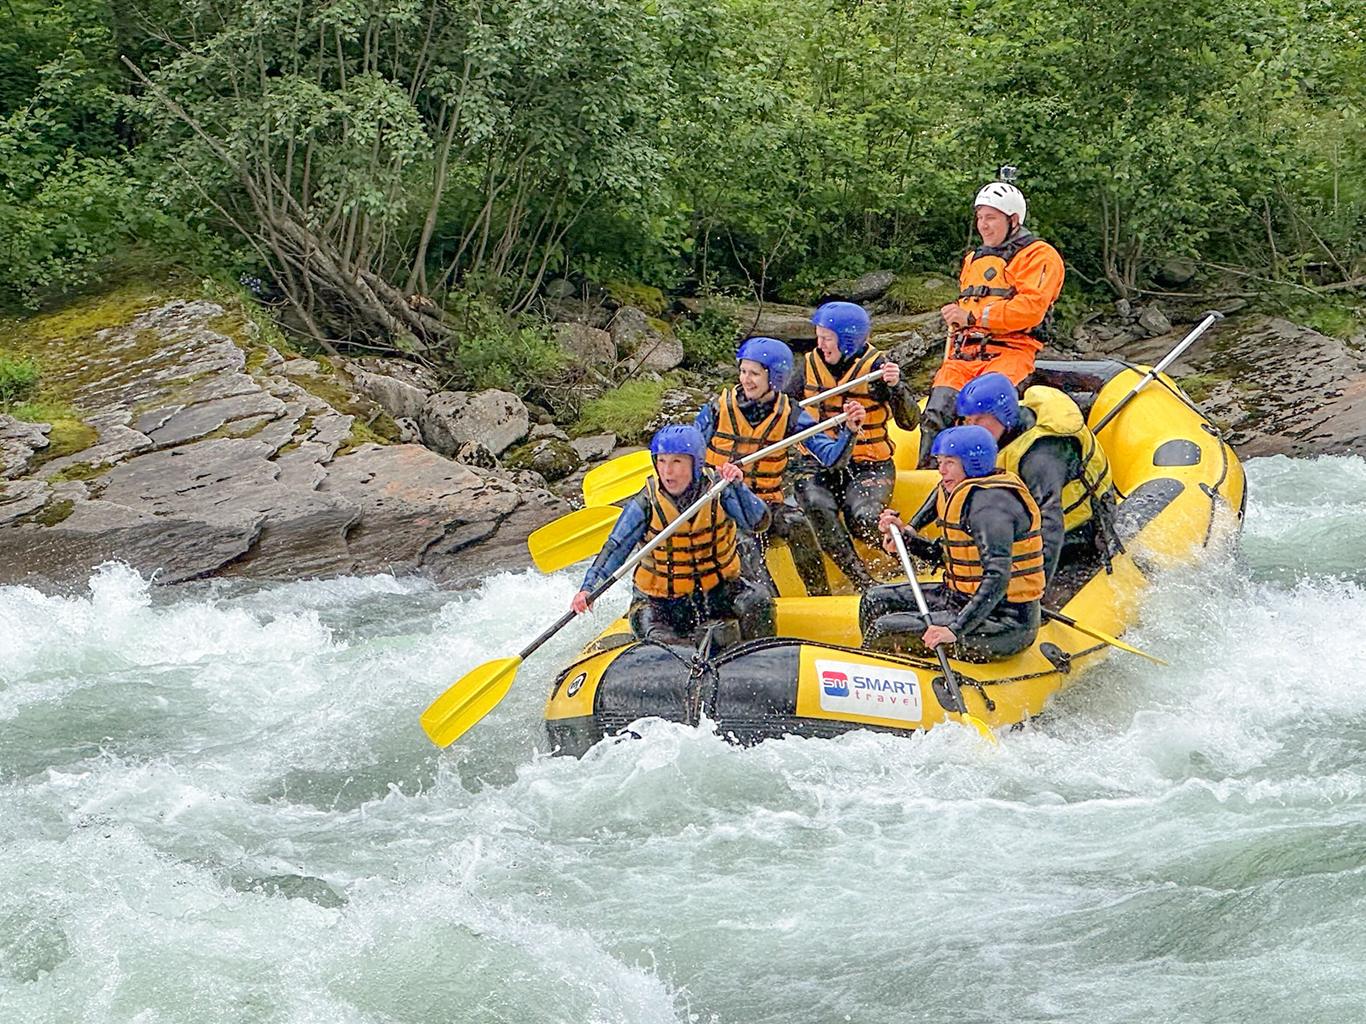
[(1044, 470), (827, 450), (898, 399), (707, 418), (1036, 274), (795, 384), (626, 534), (744, 506), (993, 518), (925, 514)]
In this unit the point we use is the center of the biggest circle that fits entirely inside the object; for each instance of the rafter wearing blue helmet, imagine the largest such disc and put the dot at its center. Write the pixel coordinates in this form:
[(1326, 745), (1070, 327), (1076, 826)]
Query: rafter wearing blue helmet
[(973, 447), (1045, 441), (694, 575), (843, 502), (742, 420), (772, 355), (987, 606), (991, 394)]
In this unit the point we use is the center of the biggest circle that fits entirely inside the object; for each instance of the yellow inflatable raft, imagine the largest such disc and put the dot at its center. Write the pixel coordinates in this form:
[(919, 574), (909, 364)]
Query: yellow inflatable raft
[(1181, 488)]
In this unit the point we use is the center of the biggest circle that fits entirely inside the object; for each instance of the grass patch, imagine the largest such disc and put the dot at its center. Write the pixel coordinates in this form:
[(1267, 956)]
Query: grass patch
[(70, 434), (1332, 319), (626, 411), (642, 296), (78, 471)]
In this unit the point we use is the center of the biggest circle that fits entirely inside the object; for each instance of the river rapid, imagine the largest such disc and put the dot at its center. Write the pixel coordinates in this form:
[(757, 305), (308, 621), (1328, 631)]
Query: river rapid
[(216, 804)]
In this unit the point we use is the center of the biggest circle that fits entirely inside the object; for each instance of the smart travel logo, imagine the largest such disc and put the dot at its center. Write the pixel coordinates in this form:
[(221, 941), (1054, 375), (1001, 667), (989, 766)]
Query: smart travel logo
[(877, 691)]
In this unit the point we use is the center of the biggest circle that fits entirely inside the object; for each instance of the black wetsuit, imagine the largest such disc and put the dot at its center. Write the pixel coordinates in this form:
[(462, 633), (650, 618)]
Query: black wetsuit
[(861, 490), (1045, 469), (672, 620), (988, 627)]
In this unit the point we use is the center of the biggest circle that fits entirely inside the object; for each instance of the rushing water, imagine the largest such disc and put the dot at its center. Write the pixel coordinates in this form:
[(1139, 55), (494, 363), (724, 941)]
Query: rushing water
[(216, 805)]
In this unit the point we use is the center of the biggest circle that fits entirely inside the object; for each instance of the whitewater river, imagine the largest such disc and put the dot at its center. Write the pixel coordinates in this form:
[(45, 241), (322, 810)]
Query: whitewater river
[(216, 804)]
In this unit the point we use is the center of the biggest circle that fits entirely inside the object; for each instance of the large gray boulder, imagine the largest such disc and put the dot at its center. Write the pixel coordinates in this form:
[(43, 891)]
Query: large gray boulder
[(642, 343), (872, 285), (203, 468), (496, 419), (398, 398), (584, 344), (551, 457)]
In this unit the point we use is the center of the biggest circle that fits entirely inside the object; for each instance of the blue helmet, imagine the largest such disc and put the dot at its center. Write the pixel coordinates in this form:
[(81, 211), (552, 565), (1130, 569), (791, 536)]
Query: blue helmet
[(850, 322), (681, 440), (993, 394), (772, 353), (974, 447)]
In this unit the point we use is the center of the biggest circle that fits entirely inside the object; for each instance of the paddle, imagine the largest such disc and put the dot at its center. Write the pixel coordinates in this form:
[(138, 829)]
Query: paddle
[(1167, 360), (478, 691), (623, 476), (950, 680), (619, 478), (574, 537), (1067, 620)]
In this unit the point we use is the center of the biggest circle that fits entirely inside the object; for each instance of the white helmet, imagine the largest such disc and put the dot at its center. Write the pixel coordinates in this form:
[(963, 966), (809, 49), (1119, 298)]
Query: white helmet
[(1003, 196)]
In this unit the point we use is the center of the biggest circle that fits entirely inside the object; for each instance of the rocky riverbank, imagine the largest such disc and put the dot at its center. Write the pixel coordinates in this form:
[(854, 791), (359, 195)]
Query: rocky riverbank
[(203, 451), (212, 455)]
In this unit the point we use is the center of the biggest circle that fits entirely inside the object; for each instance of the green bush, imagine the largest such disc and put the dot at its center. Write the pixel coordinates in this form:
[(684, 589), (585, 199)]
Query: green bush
[(499, 351), (18, 379), (711, 337)]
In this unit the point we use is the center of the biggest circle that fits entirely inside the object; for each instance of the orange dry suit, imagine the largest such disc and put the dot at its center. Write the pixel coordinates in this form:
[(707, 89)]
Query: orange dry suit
[(1008, 291)]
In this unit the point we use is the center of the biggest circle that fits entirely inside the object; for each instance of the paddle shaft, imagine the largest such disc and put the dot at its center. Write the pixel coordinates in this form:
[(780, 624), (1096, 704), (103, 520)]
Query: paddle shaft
[(1167, 360), (679, 521), (1105, 638), (801, 435), (950, 680), (840, 389)]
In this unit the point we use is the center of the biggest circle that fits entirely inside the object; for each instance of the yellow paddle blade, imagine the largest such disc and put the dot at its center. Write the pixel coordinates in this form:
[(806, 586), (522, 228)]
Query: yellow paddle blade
[(617, 479), (470, 699), (572, 538), (982, 728)]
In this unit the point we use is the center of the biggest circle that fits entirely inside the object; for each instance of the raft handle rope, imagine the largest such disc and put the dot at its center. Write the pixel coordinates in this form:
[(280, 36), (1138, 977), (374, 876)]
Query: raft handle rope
[(1213, 489)]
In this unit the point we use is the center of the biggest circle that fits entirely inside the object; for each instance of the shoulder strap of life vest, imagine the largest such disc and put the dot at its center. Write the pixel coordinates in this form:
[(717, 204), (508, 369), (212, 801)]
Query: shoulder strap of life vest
[(1056, 415), (698, 557)]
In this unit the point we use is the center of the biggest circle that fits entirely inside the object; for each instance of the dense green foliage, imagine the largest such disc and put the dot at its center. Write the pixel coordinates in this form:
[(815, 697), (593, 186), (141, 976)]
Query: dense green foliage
[(349, 155)]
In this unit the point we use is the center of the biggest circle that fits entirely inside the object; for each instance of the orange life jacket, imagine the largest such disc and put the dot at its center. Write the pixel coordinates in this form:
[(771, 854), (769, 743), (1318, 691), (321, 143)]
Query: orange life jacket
[(873, 443), (962, 560), (992, 274), (736, 437), (698, 557)]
